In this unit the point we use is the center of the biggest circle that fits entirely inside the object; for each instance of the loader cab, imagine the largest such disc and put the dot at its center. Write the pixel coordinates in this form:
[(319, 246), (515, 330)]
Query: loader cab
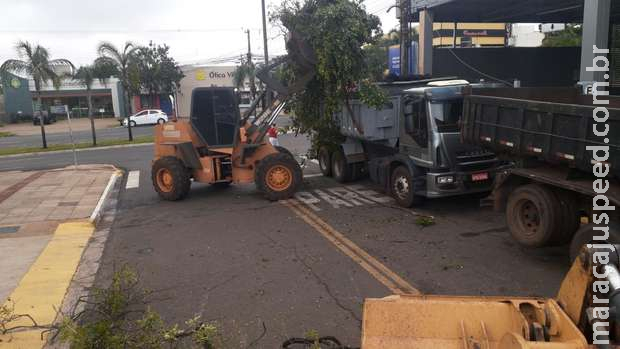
[(215, 115)]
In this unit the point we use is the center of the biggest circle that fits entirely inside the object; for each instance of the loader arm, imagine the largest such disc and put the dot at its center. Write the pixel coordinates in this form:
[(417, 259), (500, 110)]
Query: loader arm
[(303, 57)]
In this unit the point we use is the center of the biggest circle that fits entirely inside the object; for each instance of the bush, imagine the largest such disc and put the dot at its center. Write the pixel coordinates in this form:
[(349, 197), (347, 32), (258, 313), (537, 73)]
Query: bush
[(119, 316)]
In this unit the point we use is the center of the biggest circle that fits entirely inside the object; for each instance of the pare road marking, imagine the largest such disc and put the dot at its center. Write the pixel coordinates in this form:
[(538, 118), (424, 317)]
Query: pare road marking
[(341, 197), (133, 180)]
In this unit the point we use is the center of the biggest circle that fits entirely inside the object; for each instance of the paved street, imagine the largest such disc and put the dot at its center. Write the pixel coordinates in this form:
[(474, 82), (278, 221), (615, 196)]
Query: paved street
[(245, 262)]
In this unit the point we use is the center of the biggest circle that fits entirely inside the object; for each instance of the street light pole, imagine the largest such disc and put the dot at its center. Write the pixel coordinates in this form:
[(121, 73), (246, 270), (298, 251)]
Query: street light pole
[(405, 43), (267, 92)]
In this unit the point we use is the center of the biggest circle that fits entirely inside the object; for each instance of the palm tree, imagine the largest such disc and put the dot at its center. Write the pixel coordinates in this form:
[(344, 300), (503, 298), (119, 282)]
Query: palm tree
[(246, 71), (35, 62), (124, 62), (86, 75)]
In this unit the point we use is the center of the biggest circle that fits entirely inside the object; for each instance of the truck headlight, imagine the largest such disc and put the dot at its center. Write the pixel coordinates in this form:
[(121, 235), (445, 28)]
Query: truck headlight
[(445, 179)]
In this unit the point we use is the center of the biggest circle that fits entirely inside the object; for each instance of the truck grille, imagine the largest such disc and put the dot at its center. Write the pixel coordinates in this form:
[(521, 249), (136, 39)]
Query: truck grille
[(475, 160)]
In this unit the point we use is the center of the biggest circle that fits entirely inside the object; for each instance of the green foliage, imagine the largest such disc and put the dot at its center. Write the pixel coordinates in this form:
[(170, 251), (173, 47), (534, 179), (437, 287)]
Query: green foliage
[(36, 63), (425, 221), (336, 31), (246, 71), (158, 72), (119, 317), (569, 37)]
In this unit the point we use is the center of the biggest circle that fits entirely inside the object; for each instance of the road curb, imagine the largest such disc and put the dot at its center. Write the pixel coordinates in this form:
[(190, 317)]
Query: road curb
[(95, 217), (77, 150)]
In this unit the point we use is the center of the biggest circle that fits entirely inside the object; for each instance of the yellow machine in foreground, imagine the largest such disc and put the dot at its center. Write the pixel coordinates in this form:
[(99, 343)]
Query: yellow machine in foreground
[(402, 321)]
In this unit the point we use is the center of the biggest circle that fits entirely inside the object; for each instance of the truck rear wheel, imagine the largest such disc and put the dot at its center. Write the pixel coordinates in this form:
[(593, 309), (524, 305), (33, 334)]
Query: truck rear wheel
[(341, 170), (278, 176), (171, 179), (325, 162), (533, 215), (570, 217), (402, 188), (585, 235)]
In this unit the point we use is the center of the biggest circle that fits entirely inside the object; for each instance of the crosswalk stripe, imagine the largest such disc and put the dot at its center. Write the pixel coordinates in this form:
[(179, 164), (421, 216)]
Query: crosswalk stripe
[(133, 180)]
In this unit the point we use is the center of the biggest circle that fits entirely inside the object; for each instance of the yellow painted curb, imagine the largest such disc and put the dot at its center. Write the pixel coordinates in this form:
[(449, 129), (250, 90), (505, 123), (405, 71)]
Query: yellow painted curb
[(43, 288)]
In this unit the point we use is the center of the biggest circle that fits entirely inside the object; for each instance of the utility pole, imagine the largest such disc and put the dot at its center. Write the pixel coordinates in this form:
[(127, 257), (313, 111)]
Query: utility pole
[(250, 64), (268, 93), (405, 42), (249, 47)]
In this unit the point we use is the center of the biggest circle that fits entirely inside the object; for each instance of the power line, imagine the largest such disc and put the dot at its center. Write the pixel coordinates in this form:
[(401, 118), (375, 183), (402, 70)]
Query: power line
[(123, 31)]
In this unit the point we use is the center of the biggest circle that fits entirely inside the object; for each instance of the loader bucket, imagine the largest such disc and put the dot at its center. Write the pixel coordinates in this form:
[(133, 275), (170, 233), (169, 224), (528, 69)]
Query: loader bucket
[(399, 322)]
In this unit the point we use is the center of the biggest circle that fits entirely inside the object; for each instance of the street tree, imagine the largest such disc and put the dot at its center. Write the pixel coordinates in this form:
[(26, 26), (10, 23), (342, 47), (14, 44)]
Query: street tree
[(158, 72), (35, 62), (569, 37), (124, 61), (246, 71), (86, 76), (336, 31)]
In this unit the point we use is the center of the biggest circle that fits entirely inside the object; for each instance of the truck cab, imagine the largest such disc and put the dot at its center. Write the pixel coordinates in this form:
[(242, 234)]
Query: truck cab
[(412, 146), (430, 137)]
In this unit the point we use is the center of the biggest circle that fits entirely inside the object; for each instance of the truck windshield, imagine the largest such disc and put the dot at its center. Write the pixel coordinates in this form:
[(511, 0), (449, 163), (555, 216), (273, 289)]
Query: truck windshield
[(446, 115)]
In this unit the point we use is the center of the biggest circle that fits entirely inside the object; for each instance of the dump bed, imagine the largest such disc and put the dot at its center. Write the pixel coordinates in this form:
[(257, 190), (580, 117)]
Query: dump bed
[(552, 125)]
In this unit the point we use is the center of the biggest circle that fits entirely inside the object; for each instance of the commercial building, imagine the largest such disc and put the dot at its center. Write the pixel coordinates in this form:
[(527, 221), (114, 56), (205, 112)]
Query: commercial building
[(206, 76), (108, 99), (469, 34)]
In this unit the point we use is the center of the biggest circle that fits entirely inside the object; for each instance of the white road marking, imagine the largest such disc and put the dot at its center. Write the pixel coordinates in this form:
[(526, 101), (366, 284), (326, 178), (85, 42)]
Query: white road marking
[(133, 180), (313, 175), (315, 161), (341, 197)]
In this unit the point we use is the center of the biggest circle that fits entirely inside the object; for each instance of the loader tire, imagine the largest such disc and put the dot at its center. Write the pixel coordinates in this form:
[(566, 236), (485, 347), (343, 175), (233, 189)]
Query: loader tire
[(284, 151), (341, 170), (171, 179), (533, 215), (325, 161), (278, 176)]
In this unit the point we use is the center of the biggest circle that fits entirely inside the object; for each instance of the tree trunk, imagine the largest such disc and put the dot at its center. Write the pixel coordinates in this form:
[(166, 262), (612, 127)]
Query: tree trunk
[(128, 108), (41, 119), (92, 118)]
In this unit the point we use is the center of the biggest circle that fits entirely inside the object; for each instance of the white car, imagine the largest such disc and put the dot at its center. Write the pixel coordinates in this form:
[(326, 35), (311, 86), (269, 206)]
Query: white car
[(147, 117)]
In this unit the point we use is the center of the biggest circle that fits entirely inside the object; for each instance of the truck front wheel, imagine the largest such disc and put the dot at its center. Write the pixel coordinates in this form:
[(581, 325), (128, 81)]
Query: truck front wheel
[(532, 215), (402, 188)]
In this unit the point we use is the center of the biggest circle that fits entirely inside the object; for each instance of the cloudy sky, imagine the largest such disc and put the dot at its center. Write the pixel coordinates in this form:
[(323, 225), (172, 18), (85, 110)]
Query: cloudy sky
[(195, 30)]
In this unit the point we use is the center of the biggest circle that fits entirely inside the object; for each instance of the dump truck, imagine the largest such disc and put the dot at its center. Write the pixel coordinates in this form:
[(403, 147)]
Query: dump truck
[(545, 133), (411, 146)]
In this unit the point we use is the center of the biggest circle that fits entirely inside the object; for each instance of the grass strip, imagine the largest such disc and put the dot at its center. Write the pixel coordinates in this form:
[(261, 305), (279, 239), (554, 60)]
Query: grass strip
[(55, 147)]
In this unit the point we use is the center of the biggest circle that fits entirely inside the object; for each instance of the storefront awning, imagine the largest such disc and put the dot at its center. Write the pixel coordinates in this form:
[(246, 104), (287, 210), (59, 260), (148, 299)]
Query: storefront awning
[(509, 11)]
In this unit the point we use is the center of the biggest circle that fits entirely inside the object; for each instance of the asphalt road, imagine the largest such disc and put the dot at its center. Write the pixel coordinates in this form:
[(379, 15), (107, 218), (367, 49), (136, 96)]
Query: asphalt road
[(244, 262), (79, 137)]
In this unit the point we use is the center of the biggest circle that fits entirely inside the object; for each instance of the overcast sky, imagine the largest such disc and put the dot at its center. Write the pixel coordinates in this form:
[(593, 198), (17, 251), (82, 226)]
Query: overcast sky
[(195, 30)]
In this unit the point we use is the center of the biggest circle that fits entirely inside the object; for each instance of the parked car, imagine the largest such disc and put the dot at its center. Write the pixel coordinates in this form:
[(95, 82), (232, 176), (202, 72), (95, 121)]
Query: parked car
[(147, 117), (47, 118)]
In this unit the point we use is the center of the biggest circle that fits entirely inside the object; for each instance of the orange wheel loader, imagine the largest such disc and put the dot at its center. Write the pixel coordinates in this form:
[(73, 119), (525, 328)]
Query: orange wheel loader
[(217, 145)]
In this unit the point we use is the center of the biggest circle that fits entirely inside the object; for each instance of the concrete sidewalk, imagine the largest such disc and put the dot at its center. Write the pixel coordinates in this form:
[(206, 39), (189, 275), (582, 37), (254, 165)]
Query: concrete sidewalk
[(44, 227)]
